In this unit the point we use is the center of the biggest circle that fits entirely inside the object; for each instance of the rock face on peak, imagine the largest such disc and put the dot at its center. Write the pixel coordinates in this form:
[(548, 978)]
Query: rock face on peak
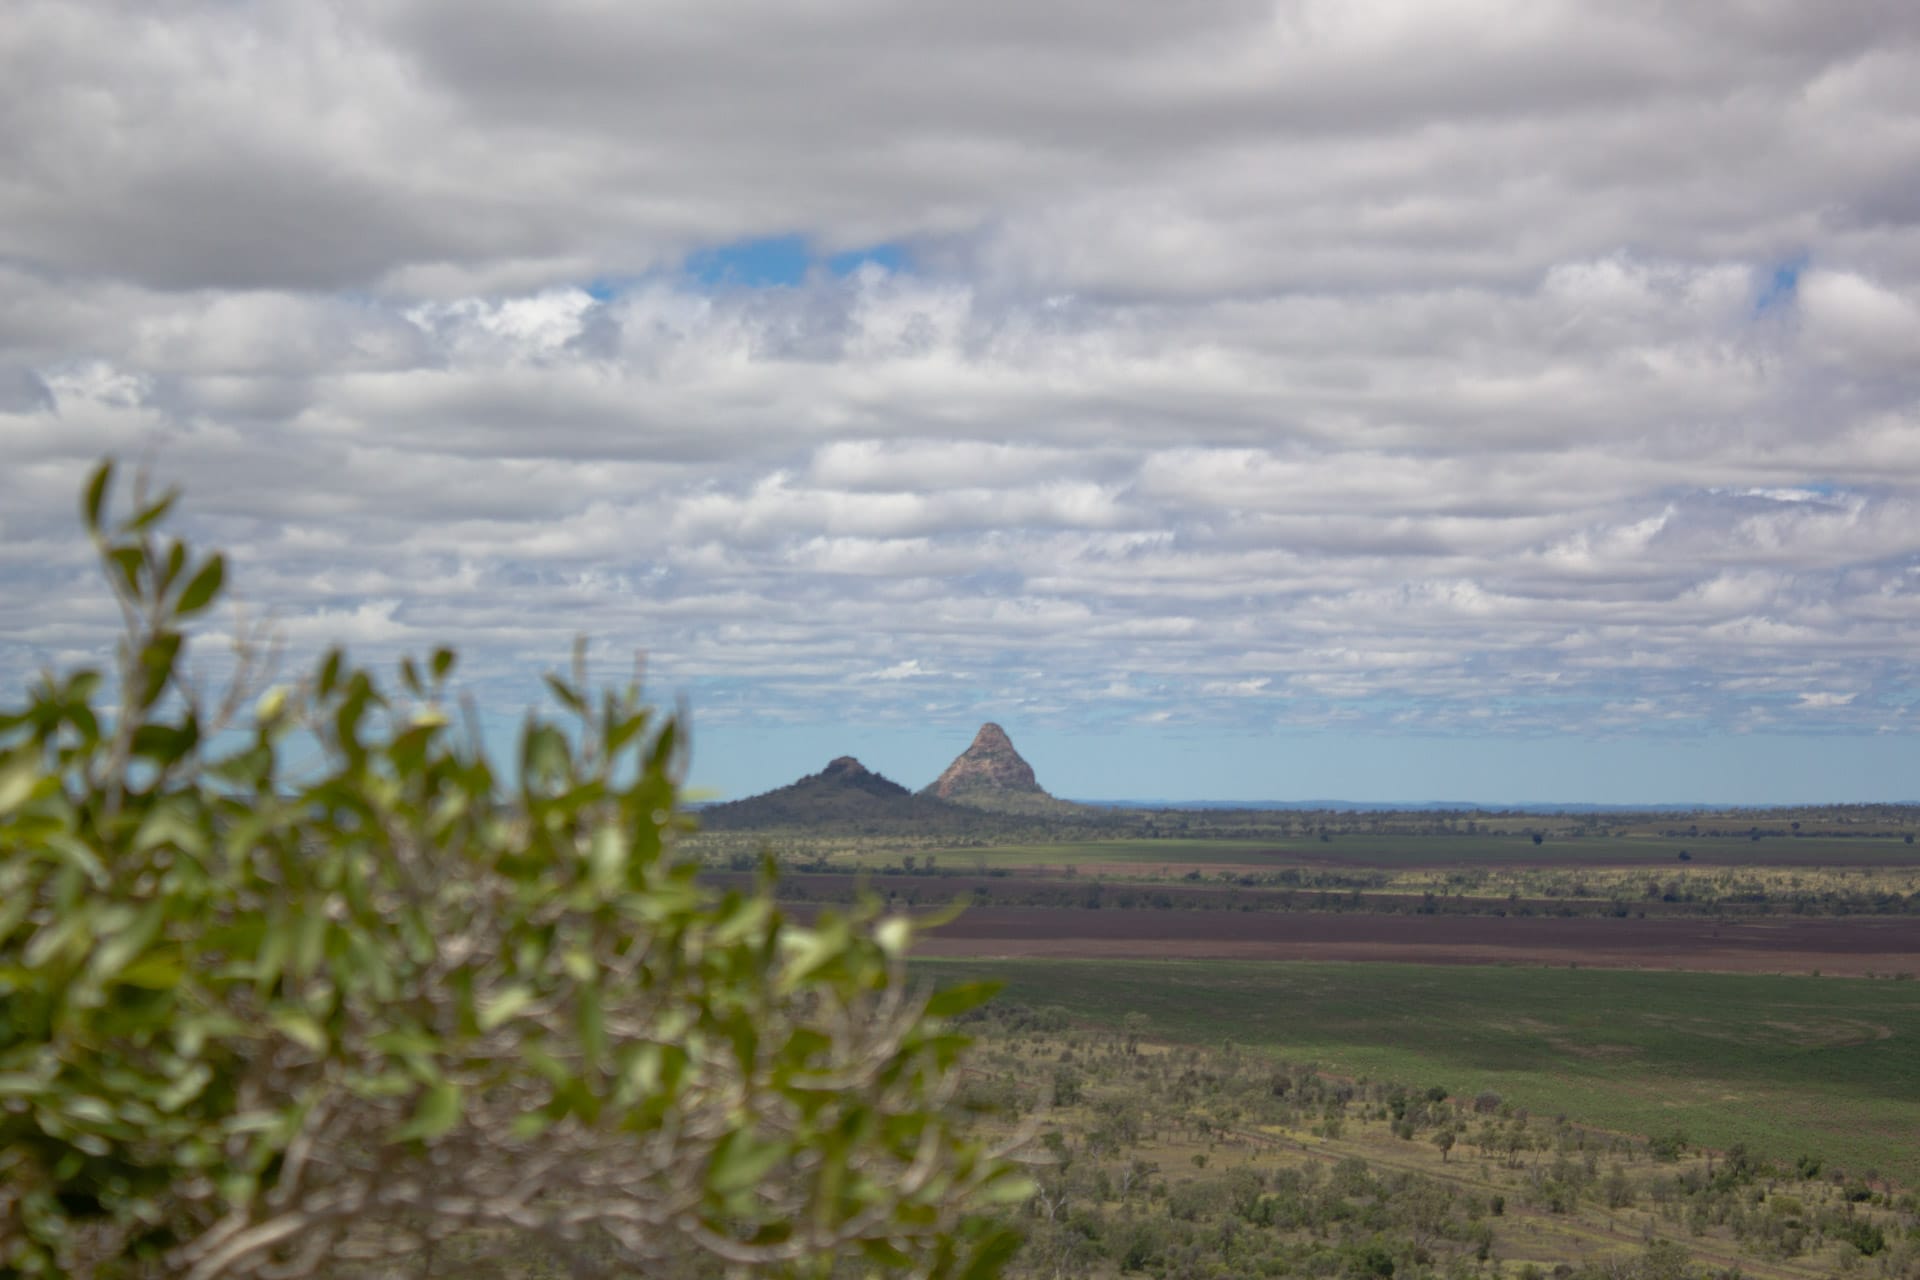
[(988, 768)]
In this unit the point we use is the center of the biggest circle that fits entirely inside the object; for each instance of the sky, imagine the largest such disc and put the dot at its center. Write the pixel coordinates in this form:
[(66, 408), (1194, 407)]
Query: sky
[(1367, 399)]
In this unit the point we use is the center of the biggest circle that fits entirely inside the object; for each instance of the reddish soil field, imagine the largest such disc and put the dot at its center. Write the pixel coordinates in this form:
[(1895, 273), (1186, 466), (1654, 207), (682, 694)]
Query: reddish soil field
[(1851, 945)]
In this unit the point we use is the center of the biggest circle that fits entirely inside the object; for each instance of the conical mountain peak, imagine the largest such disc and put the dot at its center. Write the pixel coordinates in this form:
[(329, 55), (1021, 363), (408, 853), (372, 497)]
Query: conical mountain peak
[(992, 738), (990, 766)]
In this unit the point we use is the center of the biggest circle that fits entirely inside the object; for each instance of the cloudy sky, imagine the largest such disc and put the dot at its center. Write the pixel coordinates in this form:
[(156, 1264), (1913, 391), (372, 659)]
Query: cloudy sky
[(1384, 400)]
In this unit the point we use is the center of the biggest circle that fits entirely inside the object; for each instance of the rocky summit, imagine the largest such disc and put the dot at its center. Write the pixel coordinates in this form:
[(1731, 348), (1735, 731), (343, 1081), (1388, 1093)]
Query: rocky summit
[(989, 767)]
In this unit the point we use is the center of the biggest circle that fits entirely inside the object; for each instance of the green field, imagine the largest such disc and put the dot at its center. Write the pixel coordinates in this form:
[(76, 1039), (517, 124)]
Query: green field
[(1785, 1065), (1404, 851)]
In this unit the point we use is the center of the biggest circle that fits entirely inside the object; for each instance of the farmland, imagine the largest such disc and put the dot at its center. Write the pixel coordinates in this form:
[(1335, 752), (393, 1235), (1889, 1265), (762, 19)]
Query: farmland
[(1857, 947), (1408, 852), (1736, 982), (1630, 874)]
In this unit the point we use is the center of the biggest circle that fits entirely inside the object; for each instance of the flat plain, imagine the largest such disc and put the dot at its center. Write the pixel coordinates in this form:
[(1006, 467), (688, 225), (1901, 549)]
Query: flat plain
[(1742, 978), (1786, 1065)]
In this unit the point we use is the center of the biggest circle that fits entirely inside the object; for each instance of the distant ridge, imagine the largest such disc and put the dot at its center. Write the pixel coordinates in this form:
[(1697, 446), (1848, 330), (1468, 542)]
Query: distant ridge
[(846, 795)]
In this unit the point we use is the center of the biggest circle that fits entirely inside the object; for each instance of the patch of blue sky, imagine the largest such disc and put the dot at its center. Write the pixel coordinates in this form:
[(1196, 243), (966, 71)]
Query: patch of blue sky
[(764, 262), (767, 262), (1781, 287), (782, 261)]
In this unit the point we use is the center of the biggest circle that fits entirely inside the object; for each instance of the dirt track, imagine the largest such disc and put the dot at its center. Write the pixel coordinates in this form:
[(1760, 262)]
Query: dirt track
[(1848, 945)]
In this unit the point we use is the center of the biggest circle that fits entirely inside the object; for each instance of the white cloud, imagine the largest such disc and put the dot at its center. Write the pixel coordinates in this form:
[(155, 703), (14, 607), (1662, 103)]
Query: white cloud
[(1852, 320), (905, 670), (1532, 364)]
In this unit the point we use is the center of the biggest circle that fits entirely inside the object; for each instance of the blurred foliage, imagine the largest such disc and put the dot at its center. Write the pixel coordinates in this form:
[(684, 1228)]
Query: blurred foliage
[(318, 980)]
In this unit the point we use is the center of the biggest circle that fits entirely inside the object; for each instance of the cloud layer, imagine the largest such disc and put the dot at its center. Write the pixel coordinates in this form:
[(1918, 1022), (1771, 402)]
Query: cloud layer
[(1518, 368)]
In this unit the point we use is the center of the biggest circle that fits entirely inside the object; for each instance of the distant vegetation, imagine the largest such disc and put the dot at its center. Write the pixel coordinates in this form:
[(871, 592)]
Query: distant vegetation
[(1783, 1065), (1165, 1157)]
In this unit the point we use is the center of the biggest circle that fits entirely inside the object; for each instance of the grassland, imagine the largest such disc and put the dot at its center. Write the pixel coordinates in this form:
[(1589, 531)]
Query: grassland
[(1785, 1065), (1160, 1146)]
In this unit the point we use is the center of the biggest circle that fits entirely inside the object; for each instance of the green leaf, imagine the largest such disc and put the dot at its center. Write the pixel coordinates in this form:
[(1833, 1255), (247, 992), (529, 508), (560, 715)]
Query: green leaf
[(607, 857), (19, 778), (504, 1005), (443, 660), (437, 1112), (55, 938), (886, 1254), (171, 822), (329, 672), (204, 586), (74, 853), (121, 949), (176, 561), (164, 743), (19, 1084), (543, 753), (578, 962), (186, 1088), (96, 497), (129, 562), (156, 511), (740, 1161), (301, 1028), (155, 971), (530, 1125), (406, 1042), (813, 950), (13, 909), (992, 1254), (83, 684), (1013, 1188), (156, 666), (566, 694), (309, 939), (592, 1024)]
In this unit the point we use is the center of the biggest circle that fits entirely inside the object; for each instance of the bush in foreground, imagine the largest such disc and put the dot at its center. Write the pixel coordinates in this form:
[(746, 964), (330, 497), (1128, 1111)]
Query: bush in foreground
[(255, 1018)]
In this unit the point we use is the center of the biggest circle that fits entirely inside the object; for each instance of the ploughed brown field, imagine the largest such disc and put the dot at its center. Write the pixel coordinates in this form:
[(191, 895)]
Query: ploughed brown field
[(1847, 945)]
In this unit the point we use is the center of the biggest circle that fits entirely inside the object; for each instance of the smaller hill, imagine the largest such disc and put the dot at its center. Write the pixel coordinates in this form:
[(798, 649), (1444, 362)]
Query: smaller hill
[(846, 794)]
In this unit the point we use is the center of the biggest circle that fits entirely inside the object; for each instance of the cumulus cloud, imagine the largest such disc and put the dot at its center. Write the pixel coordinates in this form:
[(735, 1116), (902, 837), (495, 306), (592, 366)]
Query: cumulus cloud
[(1502, 366)]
